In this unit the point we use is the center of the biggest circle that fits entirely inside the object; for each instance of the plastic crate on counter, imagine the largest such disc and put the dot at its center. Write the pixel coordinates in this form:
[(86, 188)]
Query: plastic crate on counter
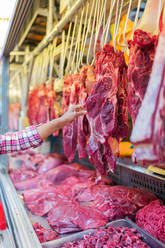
[(132, 175), (148, 239)]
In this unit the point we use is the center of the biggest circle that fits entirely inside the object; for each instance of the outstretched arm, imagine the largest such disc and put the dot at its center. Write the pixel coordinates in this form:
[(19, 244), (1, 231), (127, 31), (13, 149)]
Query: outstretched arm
[(33, 136), (50, 127)]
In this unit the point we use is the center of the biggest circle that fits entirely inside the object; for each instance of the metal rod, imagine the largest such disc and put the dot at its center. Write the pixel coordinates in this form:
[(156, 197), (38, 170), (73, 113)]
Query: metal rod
[(44, 43)]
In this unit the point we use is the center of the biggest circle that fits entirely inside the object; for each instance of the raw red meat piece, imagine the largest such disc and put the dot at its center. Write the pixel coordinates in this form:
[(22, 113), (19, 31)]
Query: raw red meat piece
[(41, 200), (119, 201), (141, 57), (51, 100), (44, 234), (107, 108), (33, 106), (152, 219), (59, 174), (148, 131), (90, 78), (49, 163), (69, 217), (20, 175), (112, 237), (42, 111), (70, 131), (82, 121), (36, 182)]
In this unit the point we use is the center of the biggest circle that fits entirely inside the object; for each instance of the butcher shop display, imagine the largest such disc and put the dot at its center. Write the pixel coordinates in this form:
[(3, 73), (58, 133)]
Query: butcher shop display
[(109, 58), (104, 94), (117, 237)]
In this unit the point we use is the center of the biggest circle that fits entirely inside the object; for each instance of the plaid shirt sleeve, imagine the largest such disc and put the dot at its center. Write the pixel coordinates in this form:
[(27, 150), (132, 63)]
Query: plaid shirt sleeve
[(21, 140)]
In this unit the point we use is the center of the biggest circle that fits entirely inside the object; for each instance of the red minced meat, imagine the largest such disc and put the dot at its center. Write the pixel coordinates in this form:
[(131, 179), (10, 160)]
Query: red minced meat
[(44, 234), (119, 237), (152, 219)]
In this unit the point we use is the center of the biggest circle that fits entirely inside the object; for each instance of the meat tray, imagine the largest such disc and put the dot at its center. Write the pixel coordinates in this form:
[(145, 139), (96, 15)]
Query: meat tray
[(148, 239)]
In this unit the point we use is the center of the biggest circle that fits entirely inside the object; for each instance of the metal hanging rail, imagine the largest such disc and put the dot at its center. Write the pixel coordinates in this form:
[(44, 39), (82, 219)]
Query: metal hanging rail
[(58, 28)]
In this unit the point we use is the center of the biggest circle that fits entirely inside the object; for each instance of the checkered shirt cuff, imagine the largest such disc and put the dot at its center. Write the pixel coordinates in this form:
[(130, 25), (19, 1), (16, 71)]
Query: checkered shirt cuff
[(21, 140)]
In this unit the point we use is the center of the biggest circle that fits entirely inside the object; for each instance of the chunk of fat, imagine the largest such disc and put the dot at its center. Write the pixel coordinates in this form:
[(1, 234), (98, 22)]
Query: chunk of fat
[(142, 130)]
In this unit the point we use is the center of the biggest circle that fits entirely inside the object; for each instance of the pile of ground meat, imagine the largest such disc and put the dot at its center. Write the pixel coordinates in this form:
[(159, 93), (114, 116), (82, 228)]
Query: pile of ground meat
[(152, 219), (120, 237)]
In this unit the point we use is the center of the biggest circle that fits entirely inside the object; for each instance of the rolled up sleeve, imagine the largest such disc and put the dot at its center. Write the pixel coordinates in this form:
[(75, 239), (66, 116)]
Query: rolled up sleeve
[(21, 140)]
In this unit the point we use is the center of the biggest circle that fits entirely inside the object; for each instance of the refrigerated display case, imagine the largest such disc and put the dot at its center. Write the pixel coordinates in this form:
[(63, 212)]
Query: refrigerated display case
[(39, 33)]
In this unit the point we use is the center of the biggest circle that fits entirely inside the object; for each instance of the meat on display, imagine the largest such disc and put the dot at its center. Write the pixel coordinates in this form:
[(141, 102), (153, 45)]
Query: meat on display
[(103, 90), (111, 237), (152, 219), (148, 131), (141, 57)]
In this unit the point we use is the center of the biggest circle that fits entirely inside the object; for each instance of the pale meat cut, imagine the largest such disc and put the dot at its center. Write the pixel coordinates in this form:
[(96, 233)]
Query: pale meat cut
[(107, 108), (152, 219), (148, 132), (141, 58), (112, 237)]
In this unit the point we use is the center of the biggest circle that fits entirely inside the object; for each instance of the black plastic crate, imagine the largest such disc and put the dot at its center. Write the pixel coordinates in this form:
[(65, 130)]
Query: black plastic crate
[(129, 174)]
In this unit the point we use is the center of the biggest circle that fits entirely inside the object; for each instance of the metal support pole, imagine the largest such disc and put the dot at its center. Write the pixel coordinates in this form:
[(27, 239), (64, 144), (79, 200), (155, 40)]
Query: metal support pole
[(4, 117)]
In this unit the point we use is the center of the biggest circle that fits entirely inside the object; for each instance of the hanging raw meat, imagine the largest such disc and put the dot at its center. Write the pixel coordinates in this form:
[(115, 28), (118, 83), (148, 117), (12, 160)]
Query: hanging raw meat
[(33, 106), (51, 100), (148, 134), (141, 57), (42, 115), (107, 108), (76, 90), (70, 96)]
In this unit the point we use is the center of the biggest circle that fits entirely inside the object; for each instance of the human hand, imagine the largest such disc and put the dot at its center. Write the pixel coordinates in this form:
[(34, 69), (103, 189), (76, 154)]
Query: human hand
[(73, 112)]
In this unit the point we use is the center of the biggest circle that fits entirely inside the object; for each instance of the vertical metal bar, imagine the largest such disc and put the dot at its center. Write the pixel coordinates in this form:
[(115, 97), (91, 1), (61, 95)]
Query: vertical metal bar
[(5, 84), (5, 103)]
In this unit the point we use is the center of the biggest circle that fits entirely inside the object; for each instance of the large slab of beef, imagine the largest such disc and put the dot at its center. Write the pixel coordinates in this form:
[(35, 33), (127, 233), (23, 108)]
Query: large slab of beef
[(141, 58), (152, 219), (71, 216), (117, 237), (41, 200), (107, 108), (148, 134), (119, 201)]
